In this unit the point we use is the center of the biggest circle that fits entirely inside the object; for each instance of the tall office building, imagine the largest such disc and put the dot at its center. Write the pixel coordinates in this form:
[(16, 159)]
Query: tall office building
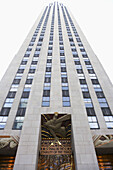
[(56, 101)]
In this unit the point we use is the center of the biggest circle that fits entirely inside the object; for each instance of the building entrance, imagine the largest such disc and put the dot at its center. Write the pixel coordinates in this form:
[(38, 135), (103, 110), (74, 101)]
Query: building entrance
[(56, 150)]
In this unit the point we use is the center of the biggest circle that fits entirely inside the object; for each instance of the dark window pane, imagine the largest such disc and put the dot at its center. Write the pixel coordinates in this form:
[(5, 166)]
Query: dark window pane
[(49, 60), (87, 63), (91, 71), (5, 111), (29, 81), (16, 81), (65, 93), (25, 94), (82, 81), (63, 69), (106, 111), (79, 71), (21, 111), (77, 62), (31, 70), (47, 79), (86, 94), (62, 60), (34, 62), (64, 80), (100, 94), (24, 62), (90, 111), (46, 93), (48, 69), (95, 81), (11, 95), (20, 71)]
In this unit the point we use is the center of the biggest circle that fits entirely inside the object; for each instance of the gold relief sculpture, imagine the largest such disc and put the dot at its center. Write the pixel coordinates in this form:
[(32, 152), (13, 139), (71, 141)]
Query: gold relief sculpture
[(55, 127), (56, 151)]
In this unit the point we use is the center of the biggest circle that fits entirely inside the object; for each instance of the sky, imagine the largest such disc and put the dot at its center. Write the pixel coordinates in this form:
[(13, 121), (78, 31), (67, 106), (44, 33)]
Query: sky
[(95, 18)]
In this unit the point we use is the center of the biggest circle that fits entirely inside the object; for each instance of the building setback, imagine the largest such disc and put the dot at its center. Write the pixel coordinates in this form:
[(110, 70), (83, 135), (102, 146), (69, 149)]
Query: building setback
[(56, 101)]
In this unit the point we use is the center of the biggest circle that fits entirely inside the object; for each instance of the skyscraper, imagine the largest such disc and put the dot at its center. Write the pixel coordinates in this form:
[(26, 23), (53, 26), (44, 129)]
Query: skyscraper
[(56, 100)]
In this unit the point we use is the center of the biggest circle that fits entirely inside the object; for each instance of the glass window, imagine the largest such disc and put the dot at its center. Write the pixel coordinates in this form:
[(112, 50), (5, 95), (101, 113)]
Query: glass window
[(66, 104), (5, 111), (29, 81), (11, 94), (86, 94), (45, 104), (21, 111), (16, 81), (20, 71), (46, 93), (18, 123), (25, 94), (106, 111), (31, 70)]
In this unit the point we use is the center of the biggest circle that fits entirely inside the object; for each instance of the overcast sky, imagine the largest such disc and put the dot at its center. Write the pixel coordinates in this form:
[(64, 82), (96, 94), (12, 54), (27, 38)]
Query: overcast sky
[(95, 17)]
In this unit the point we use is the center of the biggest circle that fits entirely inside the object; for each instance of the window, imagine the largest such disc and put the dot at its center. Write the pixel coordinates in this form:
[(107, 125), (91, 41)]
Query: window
[(62, 48), (18, 122), (95, 81), (84, 56), (65, 93), (93, 122), (31, 70), (79, 71), (29, 81), (100, 94), (34, 62), (71, 39), (25, 94), (47, 79), (82, 81), (78, 39), (49, 60), (88, 102), (87, 63), (77, 62), (102, 102), (26, 55), (23, 62), (63, 69), (73, 49), (82, 49), (8, 102), (3, 120), (90, 111), (16, 81), (91, 71), (21, 111), (66, 102), (50, 48), (106, 111), (20, 71), (11, 94), (49, 54), (62, 60), (64, 80), (23, 102), (109, 121), (5, 111), (86, 94), (46, 93)]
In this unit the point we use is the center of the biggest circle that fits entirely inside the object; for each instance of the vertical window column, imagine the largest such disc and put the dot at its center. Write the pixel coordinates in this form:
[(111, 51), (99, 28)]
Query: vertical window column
[(64, 78), (47, 81)]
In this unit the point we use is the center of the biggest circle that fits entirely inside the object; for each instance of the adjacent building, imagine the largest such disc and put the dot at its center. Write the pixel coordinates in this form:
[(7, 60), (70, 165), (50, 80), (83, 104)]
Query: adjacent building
[(56, 101)]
